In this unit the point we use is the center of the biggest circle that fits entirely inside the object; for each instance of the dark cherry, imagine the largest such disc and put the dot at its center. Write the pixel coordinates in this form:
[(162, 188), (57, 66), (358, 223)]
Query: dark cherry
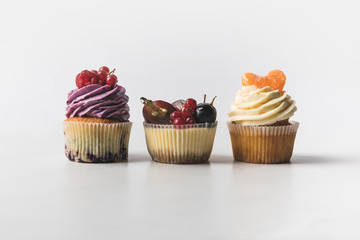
[(205, 112)]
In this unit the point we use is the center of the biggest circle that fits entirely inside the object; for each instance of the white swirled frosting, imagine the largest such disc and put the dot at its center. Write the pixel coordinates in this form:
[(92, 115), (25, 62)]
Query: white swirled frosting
[(261, 106)]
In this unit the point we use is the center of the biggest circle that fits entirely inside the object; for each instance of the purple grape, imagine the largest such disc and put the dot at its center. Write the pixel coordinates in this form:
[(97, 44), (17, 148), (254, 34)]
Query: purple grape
[(178, 104)]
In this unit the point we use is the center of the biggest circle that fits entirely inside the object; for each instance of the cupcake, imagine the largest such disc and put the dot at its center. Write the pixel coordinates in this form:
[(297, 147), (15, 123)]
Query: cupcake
[(97, 128), (259, 124), (182, 132)]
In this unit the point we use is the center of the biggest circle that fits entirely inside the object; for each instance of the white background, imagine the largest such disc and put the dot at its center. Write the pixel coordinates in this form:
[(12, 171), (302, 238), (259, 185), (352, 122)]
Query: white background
[(178, 49)]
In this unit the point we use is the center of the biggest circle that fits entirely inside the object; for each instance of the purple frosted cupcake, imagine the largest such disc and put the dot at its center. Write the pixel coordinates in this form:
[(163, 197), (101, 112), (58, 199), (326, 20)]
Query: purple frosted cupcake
[(97, 128)]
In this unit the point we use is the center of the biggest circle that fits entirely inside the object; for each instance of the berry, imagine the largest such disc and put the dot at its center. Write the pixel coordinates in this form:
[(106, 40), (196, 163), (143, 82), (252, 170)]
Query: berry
[(179, 121), (178, 104), (105, 69), (190, 120), (79, 82), (111, 80), (94, 80), (83, 78), (102, 77), (175, 115), (190, 102), (186, 111), (205, 112)]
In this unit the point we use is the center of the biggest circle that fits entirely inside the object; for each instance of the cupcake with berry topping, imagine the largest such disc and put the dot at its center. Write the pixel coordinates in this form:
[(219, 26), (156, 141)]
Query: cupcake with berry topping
[(259, 124), (97, 128), (182, 132)]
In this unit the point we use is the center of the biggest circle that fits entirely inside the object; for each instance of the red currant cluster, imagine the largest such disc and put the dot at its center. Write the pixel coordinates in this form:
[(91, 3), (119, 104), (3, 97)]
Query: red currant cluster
[(102, 77), (185, 114)]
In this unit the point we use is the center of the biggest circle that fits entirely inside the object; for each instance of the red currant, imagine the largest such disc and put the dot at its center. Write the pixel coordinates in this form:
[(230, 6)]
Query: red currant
[(111, 80), (190, 120), (95, 80), (83, 78), (179, 121), (175, 115), (79, 82), (105, 69), (102, 77), (186, 111), (190, 102)]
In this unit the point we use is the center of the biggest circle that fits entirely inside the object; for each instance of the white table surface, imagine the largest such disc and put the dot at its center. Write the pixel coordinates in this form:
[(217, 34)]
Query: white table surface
[(49, 197)]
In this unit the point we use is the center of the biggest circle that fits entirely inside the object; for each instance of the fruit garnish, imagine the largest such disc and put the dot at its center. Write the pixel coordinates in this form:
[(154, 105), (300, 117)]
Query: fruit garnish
[(190, 120), (179, 121), (103, 77), (275, 79), (187, 111), (157, 112), (205, 112), (178, 104), (111, 80), (105, 69), (190, 102), (175, 115)]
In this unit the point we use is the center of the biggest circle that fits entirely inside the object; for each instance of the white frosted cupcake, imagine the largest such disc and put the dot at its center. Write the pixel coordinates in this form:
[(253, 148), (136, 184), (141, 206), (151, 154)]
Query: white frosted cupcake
[(259, 124), (182, 132)]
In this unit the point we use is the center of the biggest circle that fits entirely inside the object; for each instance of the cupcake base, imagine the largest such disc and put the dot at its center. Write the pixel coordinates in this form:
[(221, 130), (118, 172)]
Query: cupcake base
[(263, 144), (94, 140), (186, 144)]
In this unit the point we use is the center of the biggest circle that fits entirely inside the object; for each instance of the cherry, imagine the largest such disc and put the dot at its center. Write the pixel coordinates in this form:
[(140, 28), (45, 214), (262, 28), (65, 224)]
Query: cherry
[(111, 80), (190, 102), (190, 120), (205, 112), (179, 121), (186, 111), (175, 115), (105, 69), (94, 71)]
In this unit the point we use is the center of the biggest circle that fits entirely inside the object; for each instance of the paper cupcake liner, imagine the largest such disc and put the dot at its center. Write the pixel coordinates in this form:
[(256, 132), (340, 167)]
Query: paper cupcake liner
[(263, 144), (96, 142), (186, 144)]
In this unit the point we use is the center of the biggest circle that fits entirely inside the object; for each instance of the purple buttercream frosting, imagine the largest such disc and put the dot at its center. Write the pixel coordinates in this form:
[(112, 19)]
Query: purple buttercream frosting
[(98, 101)]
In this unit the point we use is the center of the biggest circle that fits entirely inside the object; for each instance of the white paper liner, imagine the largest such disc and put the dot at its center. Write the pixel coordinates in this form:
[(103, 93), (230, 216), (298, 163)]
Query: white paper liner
[(186, 144), (96, 142), (263, 144)]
